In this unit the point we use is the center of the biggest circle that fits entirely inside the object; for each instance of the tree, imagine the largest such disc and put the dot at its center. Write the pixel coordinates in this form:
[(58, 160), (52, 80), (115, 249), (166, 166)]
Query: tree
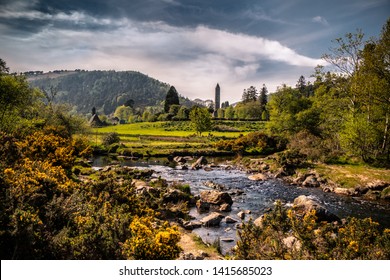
[(229, 113), (301, 84), (174, 109), (221, 113), (172, 98), (225, 104), (291, 113), (123, 112), (200, 119), (3, 67), (18, 101), (249, 94), (263, 97), (248, 110), (370, 119), (346, 55), (183, 114)]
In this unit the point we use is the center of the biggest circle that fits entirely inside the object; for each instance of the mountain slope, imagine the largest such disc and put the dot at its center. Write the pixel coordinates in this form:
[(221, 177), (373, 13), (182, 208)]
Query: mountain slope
[(104, 90)]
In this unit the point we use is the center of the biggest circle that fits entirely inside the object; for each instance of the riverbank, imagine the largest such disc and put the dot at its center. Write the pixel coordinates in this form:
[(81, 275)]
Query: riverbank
[(356, 180), (226, 200)]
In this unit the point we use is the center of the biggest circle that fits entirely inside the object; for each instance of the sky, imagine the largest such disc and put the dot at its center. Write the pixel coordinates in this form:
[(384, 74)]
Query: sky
[(190, 44)]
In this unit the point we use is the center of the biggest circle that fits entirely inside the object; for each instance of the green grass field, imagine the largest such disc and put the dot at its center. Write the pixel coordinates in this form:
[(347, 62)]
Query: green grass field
[(160, 138)]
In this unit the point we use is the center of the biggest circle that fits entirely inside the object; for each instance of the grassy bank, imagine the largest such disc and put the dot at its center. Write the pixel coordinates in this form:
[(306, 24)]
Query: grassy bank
[(165, 138), (352, 175)]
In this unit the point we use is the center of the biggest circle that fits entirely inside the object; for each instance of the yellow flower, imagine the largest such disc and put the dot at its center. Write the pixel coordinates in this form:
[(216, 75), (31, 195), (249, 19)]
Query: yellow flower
[(353, 245)]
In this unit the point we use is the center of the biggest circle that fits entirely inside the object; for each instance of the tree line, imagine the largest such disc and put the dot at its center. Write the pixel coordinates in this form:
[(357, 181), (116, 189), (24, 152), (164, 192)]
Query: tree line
[(345, 112)]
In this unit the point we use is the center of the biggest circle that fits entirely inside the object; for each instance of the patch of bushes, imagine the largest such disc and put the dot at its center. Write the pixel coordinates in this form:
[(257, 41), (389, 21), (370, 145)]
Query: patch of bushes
[(286, 234), (45, 214), (253, 143), (110, 138)]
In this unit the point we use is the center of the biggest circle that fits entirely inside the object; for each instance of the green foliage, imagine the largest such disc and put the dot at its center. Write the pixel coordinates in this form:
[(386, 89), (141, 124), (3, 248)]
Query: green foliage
[(291, 112), (229, 113), (250, 110), (252, 143), (110, 138), (17, 103), (288, 234), (200, 119), (249, 95), (47, 215), (341, 115), (172, 98), (107, 90)]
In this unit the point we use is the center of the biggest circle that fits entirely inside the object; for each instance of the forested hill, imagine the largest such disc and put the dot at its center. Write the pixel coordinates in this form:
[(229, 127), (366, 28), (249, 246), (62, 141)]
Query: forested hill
[(104, 90)]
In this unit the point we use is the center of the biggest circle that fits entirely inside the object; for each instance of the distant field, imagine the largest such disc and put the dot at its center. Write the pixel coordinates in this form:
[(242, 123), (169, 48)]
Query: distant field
[(180, 129), (166, 137)]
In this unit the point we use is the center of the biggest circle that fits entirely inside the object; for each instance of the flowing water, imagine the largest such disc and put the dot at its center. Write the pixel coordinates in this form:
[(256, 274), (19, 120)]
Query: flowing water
[(258, 197)]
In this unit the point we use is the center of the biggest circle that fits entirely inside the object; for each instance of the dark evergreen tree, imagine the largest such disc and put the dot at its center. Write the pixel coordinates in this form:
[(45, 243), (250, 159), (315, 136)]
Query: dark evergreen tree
[(263, 97), (249, 94), (171, 99), (301, 84)]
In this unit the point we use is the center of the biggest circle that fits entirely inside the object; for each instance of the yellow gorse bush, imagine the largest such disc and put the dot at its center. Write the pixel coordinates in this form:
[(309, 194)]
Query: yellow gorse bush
[(148, 241), (287, 234)]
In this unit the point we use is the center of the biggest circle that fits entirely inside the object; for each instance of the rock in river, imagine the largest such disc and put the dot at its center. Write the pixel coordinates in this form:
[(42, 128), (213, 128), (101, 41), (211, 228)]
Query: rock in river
[(258, 177), (216, 197), (305, 204), (212, 220)]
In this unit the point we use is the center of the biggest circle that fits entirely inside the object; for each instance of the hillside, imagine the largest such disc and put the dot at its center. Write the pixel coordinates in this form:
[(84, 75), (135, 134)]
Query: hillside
[(104, 90)]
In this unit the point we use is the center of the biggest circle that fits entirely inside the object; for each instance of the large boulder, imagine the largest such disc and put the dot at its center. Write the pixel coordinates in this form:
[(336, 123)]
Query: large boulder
[(230, 220), (258, 177), (190, 225), (311, 182), (174, 196), (202, 206), (372, 186), (199, 163), (212, 220), (216, 197), (305, 204), (179, 159), (225, 207)]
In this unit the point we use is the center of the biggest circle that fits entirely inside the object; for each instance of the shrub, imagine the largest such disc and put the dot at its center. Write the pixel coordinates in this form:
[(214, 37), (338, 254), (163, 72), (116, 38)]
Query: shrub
[(287, 234), (150, 242), (110, 138), (253, 143), (48, 147)]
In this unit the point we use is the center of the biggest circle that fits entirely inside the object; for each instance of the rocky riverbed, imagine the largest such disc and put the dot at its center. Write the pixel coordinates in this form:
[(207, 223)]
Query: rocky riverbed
[(224, 197)]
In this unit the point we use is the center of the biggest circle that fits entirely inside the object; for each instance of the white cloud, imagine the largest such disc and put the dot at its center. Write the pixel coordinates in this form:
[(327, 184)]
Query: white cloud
[(321, 20), (192, 59)]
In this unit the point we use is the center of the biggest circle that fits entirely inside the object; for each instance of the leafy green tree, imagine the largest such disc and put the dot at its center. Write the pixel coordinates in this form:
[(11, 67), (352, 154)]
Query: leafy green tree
[(183, 113), (221, 113), (172, 98), (371, 83), (18, 102), (290, 112), (174, 109), (229, 113), (123, 112), (200, 119), (248, 110)]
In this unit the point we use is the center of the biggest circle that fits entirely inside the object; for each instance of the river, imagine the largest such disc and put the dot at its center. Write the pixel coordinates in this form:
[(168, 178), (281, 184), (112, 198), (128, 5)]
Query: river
[(258, 197)]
